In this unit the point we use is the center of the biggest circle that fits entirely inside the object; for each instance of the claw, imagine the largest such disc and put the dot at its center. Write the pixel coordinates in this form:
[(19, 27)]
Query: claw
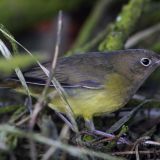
[(106, 136)]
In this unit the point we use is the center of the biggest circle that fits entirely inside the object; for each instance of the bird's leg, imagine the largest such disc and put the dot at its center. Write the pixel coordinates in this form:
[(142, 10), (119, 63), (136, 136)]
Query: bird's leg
[(90, 125)]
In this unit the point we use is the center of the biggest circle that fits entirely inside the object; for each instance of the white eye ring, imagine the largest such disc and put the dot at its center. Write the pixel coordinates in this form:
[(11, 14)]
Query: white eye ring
[(146, 62)]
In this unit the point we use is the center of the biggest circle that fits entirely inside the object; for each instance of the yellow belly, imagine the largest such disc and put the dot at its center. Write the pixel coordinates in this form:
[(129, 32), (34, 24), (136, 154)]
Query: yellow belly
[(87, 103), (90, 102)]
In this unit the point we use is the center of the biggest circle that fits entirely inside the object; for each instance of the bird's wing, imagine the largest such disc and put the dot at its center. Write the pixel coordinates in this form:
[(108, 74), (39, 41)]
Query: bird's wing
[(76, 71)]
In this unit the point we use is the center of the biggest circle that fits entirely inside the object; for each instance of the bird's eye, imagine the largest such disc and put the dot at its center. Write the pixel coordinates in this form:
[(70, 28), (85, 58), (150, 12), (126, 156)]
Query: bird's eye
[(146, 61)]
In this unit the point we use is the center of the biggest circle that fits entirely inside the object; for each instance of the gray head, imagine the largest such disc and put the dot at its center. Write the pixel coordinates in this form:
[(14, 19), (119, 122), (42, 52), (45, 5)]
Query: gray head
[(136, 64)]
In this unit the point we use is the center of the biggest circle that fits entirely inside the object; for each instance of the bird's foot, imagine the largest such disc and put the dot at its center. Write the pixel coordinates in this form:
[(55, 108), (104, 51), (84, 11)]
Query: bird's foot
[(106, 137)]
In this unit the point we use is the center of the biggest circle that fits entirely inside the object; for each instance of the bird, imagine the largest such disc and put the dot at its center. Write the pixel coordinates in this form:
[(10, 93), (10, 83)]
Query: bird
[(96, 83)]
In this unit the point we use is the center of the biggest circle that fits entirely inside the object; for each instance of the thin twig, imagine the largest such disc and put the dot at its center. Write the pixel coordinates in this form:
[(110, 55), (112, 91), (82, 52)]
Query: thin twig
[(89, 25), (139, 36), (73, 150), (123, 26), (58, 87), (39, 104), (51, 150), (24, 120), (6, 53), (134, 152)]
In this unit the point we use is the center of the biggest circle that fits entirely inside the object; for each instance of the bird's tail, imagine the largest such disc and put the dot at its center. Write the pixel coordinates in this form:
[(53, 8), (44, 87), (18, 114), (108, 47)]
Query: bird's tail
[(6, 83)]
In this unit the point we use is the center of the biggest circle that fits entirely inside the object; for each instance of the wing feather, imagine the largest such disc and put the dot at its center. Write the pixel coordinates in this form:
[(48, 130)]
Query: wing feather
[(88, 71)]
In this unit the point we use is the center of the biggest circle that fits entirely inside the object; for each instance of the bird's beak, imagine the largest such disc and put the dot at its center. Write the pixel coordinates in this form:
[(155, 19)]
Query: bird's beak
[(158, 61)]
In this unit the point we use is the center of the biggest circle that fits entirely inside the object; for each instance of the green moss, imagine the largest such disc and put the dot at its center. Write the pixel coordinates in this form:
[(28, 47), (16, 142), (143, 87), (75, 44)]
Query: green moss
[(123, 130), (115, 38), (87, 138), (123, 26)]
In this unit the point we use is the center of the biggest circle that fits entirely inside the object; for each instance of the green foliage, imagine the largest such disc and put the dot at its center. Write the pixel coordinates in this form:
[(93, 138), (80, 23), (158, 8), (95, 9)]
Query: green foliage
[(87, 138), (8, 109), (113, 37), (123, 26), (19, 61)]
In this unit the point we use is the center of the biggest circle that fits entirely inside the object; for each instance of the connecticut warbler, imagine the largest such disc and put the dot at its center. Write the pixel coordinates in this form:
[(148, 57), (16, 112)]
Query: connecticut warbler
[(96, 82)]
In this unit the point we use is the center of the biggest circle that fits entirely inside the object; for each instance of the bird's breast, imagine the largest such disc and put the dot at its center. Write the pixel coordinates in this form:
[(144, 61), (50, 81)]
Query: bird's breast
[(90, 102)]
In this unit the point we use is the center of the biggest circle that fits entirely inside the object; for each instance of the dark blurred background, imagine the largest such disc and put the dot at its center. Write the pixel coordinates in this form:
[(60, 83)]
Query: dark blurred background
[(33, 23)]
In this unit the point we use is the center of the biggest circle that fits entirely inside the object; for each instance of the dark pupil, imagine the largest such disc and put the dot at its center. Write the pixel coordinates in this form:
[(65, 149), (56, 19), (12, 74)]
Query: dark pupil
[(145, 61)]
